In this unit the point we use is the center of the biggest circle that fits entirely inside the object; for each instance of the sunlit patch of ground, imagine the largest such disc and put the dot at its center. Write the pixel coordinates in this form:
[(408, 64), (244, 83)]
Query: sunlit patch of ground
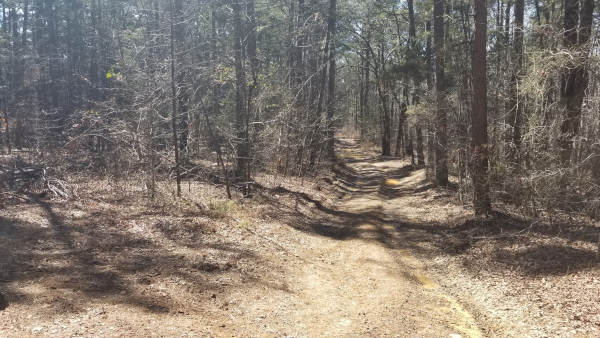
[(392, 182)]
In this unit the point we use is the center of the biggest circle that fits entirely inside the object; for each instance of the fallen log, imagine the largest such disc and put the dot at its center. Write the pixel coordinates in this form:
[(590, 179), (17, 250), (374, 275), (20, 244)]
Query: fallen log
[(24, 177)]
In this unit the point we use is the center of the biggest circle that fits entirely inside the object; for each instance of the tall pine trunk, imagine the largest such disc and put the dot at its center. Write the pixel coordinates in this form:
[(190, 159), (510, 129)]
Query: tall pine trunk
[(431, 129), (331, 98), (251, 108), (183, 95), (174, 103), (515, 113), (241, 114), (479, 137), (441, 139), (386, 121)]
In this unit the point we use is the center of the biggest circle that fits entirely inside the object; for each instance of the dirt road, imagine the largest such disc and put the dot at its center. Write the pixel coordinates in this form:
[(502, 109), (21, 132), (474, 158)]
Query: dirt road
[(356, 277), (341, 262)]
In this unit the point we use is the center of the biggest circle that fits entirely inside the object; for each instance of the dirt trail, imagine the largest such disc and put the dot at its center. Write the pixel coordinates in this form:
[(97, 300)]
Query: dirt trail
[(286, 264), (356, 278), (370, 251)]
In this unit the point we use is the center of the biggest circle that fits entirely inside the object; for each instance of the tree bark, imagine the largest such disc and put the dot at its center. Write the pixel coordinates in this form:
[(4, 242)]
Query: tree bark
[(6, 131), (183, 95), (214, 56), (479, 137), (419, 140), (409, 146), (316, 132), (515, 107), (331, 98), (430, 129), (386, 123), (174, 104), (361, 105), (575, 77), (241, 114), (23, 47), (441, 141), (412, 35), (400, 134), (253, 89), (366, 110)]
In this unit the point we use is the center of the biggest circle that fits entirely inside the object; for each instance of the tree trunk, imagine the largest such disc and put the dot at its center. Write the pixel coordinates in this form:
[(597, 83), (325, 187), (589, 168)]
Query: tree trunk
[(575, 77), (23, 49), (409, 147), (183, 95), (385, 125), (6, 131), (419, 140), (54, 69), (515, 107), (241, 115), (300, 90), (441, 141), (412, 34), (412, 31), (400, 135), (94, 51), (479, 137), (174, 103), (315, 123), (331, 98), (214, 56), (430, 129), (366, 110), (253, 89)]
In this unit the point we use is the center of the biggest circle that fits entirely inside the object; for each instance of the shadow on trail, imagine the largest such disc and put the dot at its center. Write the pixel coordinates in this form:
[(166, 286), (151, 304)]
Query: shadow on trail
[(515, 242), (94, 258)]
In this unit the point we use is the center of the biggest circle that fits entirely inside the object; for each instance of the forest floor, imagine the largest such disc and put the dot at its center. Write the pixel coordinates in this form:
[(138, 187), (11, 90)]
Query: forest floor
[(368, 250)]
